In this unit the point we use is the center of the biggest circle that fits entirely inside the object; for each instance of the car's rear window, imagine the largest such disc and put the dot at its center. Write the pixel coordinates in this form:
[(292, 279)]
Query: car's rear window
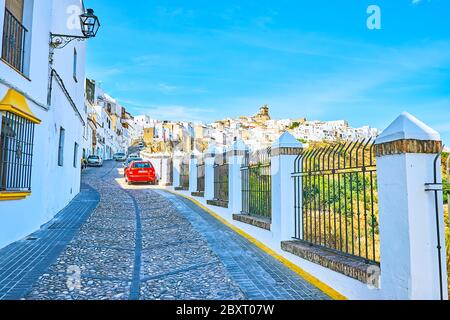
[(142, 165)]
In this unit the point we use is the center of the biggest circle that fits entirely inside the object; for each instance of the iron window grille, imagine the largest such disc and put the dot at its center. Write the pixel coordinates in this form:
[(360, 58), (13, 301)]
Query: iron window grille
[(257, 184), (336, 202), (16, 152), (221, 171), (14, 39)]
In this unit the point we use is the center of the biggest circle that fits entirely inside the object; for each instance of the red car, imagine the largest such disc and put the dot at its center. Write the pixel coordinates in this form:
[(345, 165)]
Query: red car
[(140, 171)]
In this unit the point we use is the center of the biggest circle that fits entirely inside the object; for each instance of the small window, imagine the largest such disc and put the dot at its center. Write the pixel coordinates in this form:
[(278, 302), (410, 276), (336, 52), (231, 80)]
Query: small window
[(75, 155), (14, 35), (75, 64), (16, 152), (62, 134)]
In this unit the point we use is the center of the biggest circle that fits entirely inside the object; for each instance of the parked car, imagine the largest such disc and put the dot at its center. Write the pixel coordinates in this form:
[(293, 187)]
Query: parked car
[(94, 161), (120, 156), (140, 171)]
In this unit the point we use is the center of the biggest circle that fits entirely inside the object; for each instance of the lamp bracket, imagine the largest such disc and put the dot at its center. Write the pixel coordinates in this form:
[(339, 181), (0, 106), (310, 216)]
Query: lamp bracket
[(60, 41)]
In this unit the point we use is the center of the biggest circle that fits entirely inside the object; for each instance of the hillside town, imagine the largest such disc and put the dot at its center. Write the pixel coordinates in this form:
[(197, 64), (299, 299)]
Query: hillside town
[(112, 129), (99, 203), (258, 132)]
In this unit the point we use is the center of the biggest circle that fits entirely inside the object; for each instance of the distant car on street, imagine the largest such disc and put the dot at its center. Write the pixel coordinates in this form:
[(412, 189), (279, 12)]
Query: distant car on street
[(120, 156), (94, 161), (131, 159), (140, 171)]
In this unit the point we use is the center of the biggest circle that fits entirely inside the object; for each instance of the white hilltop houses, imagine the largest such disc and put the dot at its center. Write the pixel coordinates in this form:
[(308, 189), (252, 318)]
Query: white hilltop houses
[(42, 112), (331, 131), (110, 126), (258, 131)]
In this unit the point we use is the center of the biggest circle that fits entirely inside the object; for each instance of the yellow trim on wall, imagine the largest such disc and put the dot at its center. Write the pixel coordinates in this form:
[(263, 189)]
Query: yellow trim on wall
[(332, 293), (9, 196), (16, 103)]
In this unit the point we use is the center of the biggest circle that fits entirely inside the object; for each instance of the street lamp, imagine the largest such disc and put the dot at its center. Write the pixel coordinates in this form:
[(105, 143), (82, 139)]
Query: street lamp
[(89, 24), (89, 28)]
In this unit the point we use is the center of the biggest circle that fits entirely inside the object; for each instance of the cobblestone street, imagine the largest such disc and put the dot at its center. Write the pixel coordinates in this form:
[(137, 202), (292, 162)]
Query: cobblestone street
[(140, 243)]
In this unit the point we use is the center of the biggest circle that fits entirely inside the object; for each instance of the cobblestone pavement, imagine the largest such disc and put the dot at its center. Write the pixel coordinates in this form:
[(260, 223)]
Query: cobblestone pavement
[(141, 243)]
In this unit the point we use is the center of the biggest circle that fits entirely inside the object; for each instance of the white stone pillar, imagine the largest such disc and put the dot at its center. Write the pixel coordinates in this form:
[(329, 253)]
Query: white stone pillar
[(236, 156), (284, 152), (406, 153), (165, 171), (193, 173)]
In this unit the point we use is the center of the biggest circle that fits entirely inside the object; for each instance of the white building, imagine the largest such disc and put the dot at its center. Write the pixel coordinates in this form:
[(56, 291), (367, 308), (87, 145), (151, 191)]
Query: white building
[(41, 111), (332, 131), (109, 125)]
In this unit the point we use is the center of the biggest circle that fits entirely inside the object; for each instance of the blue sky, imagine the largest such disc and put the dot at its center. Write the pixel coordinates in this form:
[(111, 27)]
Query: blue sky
[(204, 60)]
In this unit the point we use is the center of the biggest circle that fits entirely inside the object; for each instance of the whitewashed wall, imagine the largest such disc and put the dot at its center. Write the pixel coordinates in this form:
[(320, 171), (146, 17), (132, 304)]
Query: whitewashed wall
[(50, 192)]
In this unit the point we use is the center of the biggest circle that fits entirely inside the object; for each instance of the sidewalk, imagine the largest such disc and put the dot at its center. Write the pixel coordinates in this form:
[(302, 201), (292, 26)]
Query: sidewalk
[(259, 276), (24, 261)]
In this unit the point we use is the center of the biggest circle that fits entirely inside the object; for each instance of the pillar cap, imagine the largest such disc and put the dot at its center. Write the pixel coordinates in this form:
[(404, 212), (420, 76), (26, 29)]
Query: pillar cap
[(179, 154), (213, 150), (238, 145), (287, 140), (407, 127)]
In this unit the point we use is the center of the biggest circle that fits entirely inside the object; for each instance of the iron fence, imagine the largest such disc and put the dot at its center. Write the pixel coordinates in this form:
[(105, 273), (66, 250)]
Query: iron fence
[(16, 153), (170, 172), (257, 184), (184, 175), (336, 204), (201, 176), (221, 176), (14, 35)]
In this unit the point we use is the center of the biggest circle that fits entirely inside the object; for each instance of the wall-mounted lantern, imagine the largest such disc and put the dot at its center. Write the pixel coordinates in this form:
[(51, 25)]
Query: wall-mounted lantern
[(89, 24), (89, 28)]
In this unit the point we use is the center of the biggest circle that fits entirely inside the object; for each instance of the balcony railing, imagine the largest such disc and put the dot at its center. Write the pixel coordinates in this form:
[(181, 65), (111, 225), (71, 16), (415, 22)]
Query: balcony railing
[(14, 35)]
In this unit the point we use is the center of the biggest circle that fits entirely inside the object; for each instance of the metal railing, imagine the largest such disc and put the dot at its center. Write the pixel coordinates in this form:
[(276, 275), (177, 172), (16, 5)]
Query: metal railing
[(221, 172), (201, 176), (447, 182), (336, 204), (14, 36), (184, 175), (16, 153), (170, 171), (257, 184)]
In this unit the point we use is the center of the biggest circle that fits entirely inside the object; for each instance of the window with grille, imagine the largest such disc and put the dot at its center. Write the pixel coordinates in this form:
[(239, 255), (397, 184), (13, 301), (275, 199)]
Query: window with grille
[(14, 38), (75, 155), (16, 152), (62, 134)]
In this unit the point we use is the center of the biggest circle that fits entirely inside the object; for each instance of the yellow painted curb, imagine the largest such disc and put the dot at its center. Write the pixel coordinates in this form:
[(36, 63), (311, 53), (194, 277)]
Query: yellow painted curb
[(305, 275)]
